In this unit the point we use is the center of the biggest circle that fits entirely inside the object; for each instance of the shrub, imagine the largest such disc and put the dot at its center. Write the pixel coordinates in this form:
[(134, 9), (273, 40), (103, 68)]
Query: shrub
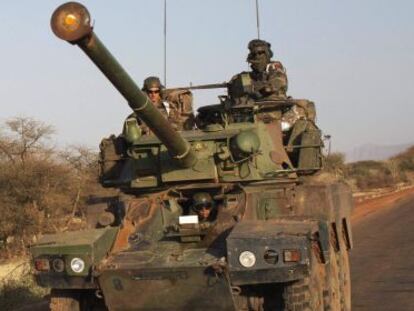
[(335, 162), (405, 160), (371, 174), (41, 188)]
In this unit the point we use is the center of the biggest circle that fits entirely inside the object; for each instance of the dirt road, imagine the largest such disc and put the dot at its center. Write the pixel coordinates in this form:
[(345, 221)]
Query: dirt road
[(382, 262)]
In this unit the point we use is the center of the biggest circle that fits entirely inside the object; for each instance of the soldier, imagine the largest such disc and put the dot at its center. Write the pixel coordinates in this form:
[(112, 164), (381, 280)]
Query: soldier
[(205, 208), (177, 108), (267, 80)]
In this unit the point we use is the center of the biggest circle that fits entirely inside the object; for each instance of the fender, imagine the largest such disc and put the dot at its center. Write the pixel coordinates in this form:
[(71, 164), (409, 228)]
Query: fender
[(270, 243), (91, 246)]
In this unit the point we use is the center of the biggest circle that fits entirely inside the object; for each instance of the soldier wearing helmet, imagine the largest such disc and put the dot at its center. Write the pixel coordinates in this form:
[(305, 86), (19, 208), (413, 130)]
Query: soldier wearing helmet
[(177, 109), (205, 208), (267, 80), (152, 87)]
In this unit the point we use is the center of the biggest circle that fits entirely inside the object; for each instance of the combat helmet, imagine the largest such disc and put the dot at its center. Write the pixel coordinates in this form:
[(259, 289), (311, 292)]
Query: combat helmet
[(256, 46), (202, 199), (152, 83)]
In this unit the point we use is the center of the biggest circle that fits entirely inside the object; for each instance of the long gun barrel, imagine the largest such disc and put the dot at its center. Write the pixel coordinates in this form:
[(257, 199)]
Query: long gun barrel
[(71, 22)]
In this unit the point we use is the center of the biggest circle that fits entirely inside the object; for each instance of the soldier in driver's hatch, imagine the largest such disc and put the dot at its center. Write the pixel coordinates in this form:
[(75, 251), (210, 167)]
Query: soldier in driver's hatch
[(177, 109), (268, 78), (205, 208)]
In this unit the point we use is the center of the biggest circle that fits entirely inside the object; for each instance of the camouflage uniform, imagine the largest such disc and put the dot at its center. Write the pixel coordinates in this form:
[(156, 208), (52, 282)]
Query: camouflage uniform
[(266, 81), (176, 107), (270, 83)]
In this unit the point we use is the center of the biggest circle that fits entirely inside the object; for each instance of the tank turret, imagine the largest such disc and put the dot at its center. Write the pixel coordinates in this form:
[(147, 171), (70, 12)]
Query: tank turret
[(71, 22)]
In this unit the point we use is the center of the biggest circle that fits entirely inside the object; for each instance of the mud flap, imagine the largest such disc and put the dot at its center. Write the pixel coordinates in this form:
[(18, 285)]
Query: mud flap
[(192, 288), (348, 233), (324, 240)]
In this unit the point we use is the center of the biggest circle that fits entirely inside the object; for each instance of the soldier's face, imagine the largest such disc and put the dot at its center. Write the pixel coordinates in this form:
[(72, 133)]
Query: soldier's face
[(204, 212), (258, 60), (154, 95)]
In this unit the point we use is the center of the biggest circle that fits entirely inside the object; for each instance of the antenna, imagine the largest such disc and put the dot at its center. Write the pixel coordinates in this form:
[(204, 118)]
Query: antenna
[(165, 43), (257, 19)]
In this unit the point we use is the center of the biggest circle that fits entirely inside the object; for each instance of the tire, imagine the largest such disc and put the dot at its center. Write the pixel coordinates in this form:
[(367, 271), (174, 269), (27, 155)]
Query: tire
[(332, 289), (307, 294), (248, 303), (74, 300), (344, 273), (262, 297), (64, 300)]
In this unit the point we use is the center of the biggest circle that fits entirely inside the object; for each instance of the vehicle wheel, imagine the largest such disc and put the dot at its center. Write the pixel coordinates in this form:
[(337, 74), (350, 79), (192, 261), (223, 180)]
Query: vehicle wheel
[(307, 294), (344, 274), (263, 297), (247, 299), (248, 304), (332, 290), (72, 300), (64, 300)]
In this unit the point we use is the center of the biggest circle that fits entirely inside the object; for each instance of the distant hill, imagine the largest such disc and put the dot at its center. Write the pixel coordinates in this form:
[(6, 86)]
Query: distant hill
[(375, 152)]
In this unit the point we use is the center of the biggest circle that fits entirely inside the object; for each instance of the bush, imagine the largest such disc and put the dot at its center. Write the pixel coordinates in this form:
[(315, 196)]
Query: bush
[(405, 160), (372, 174), (41, 188), (335, 163)]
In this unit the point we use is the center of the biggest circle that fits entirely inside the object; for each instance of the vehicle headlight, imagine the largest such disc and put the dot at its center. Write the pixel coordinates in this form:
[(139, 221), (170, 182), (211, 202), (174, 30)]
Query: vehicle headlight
[(247, 259), (77, 265)]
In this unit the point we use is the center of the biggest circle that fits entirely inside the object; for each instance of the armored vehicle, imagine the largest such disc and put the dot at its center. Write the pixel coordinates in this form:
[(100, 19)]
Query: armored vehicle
[(232, 215)]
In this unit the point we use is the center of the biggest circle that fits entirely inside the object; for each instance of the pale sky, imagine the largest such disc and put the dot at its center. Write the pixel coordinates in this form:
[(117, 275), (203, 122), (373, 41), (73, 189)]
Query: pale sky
[(354, 58)]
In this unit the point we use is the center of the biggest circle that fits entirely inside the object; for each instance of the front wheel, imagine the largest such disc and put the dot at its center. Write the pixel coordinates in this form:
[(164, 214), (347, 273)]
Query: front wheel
[(75, 300), (344, 273), (307, 294), (64, 300), (332, 293)]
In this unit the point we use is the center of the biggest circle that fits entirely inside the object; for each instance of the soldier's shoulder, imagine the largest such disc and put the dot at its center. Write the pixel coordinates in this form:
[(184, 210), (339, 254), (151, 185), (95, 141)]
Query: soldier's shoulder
[(276, 65)]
